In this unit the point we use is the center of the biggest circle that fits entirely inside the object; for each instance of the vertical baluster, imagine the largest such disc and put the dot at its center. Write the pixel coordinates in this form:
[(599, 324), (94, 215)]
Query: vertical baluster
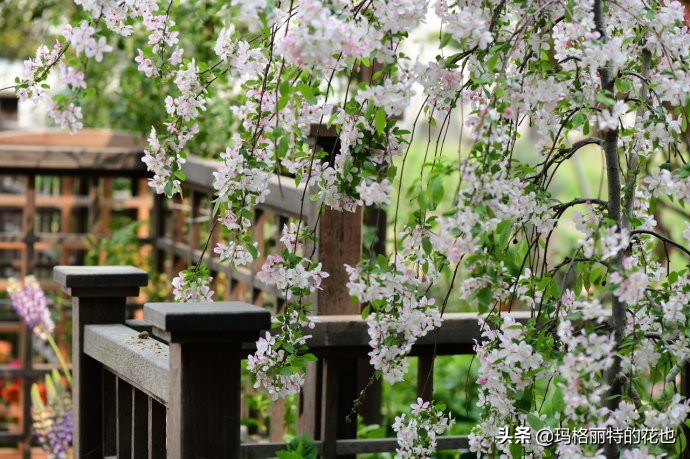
[(158, 232), (124, 420), (425, 377), (194, 225), (140, 421), (109, 414), (156, 428)]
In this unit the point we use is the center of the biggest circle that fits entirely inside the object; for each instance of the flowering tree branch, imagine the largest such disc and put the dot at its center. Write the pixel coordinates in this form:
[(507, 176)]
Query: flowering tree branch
[(610, 73)]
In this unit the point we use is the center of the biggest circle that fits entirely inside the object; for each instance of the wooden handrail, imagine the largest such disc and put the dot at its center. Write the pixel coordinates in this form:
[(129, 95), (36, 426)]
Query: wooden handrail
[(125, 380), (350, 331), (142, 362)]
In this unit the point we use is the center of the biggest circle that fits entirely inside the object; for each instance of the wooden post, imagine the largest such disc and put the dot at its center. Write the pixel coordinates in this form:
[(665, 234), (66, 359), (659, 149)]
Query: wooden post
[(158, 232), (425, 377), (99, 295), (340, 243), (205, 373)]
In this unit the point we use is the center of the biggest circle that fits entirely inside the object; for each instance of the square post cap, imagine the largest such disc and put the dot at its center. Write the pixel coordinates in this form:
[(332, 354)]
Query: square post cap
[(100, 281), (223, 321)]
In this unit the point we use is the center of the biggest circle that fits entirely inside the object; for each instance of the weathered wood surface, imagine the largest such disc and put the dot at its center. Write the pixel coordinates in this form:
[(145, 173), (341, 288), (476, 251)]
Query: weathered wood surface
[(350, 331), (141, 362), (85, 138), (71, 160), (53, 151), (284, 198)]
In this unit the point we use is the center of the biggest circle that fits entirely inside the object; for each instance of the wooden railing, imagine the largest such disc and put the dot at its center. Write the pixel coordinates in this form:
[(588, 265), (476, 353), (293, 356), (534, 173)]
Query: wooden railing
[(170, 385), (182, 364), (58, 194), (182, 227), (172, 393), (59, 190), (56, 190)]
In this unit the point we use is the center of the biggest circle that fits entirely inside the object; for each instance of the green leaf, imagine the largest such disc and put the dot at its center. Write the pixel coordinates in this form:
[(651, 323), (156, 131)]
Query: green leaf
[(534, 421), (380, 120), (445, 39), (624, 85), (309, 357), (606, 100), (426, 245), (493, 60), (503, 230), (36, 400), (579, 119), (516, 450), (252, 250), (557, 402), (485, 295), (436, 190), (682, 442), (382, 261), (307, 91), (300, 447)]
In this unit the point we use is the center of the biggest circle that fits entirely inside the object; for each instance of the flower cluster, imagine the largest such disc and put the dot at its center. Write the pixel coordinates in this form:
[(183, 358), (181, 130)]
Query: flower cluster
[(318, 34), (586, 356), (397, 313), (54, 430), (193, 285), (508, 365), (279, 361), (83, 40), (417, 432), (29, 301), (53, 420)]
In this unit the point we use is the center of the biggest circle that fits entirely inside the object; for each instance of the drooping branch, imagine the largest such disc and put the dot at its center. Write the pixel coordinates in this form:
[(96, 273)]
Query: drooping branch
[(560, 208), (661, 237), (633, 159), (618, 308), (567, 153)]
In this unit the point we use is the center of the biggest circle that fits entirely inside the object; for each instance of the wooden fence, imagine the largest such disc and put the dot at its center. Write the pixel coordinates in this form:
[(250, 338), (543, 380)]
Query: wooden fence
[(58, 194), (181, 229), (58, 189), (127, 387), (175, 390)]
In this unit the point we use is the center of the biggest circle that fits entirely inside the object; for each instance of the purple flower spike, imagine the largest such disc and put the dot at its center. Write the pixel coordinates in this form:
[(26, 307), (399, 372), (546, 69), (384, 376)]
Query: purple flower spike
[(30, 303), (54, 431)]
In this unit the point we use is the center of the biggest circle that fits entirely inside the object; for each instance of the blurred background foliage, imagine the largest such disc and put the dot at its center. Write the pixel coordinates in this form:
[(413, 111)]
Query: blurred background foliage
[(127, 99)]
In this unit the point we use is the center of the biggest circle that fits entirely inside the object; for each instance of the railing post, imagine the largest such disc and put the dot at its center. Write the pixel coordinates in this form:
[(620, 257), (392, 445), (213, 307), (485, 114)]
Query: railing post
[(205, 373), (99, 295), (340, 243)]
